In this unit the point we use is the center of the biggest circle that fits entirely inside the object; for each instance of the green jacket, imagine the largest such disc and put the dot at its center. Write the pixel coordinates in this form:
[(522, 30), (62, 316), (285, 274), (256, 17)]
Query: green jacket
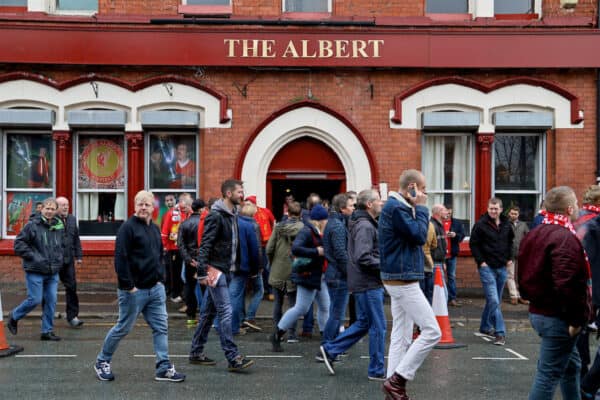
[(279, 253)]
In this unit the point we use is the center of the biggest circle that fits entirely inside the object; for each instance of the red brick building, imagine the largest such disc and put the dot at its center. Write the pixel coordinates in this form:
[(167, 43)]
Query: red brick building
[(102, 98)]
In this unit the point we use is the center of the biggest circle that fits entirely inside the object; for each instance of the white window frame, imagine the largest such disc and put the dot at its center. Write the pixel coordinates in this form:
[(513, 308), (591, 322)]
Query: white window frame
[(329, 8), (76, 191), (3, 180), (541, 167), (49, 6), (485, 8), (473, 190)]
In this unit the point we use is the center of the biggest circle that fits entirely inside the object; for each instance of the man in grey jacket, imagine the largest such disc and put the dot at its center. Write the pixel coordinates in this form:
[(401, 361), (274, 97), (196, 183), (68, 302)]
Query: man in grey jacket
[(520, 229), (365, 283)]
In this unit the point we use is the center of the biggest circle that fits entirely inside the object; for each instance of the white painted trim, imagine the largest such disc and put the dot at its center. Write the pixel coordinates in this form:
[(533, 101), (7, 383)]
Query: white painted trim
[(520, 97), (305, 121), (23, 92)]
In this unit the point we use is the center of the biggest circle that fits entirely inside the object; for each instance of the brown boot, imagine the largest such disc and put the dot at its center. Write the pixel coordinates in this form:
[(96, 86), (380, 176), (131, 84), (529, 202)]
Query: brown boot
[(395, 388)]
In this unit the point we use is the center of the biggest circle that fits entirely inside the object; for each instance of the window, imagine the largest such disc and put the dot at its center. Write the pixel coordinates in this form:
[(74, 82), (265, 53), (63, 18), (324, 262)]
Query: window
[(518, 170), (206, 2), (28, 176), (172, 166), (447, 165), (77, 5), (309, 6), (447, 6), (13, 3), (514, 7), (100, 182)]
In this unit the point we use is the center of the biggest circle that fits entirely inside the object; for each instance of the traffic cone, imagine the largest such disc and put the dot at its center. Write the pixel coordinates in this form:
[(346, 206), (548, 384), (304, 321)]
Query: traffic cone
[(440, 309), (6, 349)]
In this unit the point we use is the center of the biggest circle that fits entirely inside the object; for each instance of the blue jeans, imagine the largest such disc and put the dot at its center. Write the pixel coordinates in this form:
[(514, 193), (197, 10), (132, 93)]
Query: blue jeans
[(256, 298), (39, 287), (591, 382), (559, 361), (338, 298), (426, 285), (152, 304), (216, 303), (493, 280), (451, 276), (308, 322), (371, 320), (304, 299)]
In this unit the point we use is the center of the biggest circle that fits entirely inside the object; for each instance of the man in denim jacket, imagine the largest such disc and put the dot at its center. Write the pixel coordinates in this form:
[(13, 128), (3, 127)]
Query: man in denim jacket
[(403, 226)]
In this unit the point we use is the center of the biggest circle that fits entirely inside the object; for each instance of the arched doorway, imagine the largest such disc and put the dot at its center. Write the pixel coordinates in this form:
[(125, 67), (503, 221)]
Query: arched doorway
[(301, 167)]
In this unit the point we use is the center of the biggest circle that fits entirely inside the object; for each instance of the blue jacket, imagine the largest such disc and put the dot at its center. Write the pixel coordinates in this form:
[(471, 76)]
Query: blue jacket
[(248, 245), (335, 244), (305, 245), (457, 227), (402, 234)]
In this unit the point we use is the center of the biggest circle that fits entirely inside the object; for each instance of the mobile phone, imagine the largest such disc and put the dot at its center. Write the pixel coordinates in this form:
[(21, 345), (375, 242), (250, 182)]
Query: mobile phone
[(412, 192)]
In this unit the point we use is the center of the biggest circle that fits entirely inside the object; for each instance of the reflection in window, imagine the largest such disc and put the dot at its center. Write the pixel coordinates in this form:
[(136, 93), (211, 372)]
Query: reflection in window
[(29, 177), (513, 6), (447, 6), (517, 172), (172, 162), (306, 6), (447, 161), (100, 184)]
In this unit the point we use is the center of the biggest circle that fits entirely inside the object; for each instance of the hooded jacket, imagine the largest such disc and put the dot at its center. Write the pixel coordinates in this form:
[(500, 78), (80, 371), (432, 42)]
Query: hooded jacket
[(491, 243), (278, 251), (335, 245), (305, 245), (249, 234), (220, 241), (41, 245), (363, 252)]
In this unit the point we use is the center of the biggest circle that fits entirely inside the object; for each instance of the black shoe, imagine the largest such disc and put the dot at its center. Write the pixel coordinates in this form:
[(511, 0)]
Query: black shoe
[(12, 324), (202, 360), (240, 363), (276, 342), (50, 336)]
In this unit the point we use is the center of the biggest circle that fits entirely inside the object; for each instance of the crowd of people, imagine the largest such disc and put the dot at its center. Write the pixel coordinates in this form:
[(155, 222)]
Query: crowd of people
[(342, 256)]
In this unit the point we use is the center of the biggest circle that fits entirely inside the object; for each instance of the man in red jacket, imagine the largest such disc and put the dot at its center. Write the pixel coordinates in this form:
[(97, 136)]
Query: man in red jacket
[(555, 277), (169, 232)]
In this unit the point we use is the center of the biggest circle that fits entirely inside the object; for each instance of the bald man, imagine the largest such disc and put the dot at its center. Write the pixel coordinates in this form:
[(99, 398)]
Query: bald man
[(73, 254)]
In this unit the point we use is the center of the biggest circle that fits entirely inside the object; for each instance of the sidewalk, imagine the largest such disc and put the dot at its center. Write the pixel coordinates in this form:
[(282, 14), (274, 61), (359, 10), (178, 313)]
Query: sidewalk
[(99, 301)]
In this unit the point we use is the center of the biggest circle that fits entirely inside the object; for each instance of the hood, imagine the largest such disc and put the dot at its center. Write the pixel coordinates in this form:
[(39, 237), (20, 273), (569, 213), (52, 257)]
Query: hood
[(290, 227), (221, 207)]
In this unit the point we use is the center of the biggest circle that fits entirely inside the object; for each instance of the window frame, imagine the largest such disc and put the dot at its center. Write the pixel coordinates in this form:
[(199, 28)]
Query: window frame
[(542, 154), (51, 7), (329, 9), (76, 134), (485, 9), (473, 189), (4, 170)]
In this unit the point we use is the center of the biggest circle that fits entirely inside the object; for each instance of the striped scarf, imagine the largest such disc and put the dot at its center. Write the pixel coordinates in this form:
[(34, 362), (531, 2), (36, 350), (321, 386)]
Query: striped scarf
[(592, 208)]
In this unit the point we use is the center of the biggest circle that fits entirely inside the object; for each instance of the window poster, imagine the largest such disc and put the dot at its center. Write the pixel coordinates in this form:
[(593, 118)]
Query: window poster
[(29, 161), (20, 207), (101, 162), (172, 162)]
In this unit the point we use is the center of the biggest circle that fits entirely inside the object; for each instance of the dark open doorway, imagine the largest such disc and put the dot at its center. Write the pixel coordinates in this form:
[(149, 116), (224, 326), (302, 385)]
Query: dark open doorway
[(300, 189)]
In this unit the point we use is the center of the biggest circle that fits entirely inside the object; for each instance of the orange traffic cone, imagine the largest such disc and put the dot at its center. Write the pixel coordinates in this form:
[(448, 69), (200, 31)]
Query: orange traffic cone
[(5, 348), (440, 309)]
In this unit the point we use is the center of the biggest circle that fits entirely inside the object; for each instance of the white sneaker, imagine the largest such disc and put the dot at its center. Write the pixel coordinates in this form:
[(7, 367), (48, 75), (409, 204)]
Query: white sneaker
[(177, 299)]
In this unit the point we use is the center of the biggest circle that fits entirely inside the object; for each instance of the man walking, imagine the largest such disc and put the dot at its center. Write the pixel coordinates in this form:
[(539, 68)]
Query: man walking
[(365, 283), (219, 253), (138, 249), (554, 277), (491, 244), (40, 245), (403, 227), (73, 255), (169, 232), (455, 234), (520, 229)]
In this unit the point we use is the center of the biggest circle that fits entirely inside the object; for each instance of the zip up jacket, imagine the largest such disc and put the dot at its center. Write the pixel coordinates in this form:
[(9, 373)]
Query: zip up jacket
[(73, 249), (553, 274), (439, 253), (363, 252), (170, 227), (591, 243), (457, 227), (265, 220), (138, 251), (278, 251), (429, 245), (520, 229), (249, 242), (41, 245), (305, 245), (220, 244), (402, 234), (491, 243), (187, 239), (335, 244)]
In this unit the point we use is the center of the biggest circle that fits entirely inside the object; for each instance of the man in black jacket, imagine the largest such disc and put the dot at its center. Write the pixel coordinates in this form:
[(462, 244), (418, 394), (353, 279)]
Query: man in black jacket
[(365, 283), (40, 245), (73, 255), (218, 257), (140, 274), (454, 235), (491, 244)]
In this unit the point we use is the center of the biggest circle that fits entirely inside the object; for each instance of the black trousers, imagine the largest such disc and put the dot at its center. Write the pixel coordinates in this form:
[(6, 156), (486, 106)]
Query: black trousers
[(189, 292), (173, 266), (68, 279)]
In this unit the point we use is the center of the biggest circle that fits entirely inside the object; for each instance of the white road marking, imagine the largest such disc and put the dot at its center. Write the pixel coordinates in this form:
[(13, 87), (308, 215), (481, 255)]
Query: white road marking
[(271, 356), (186, 356), (521, 357), (46, 355), (518, 358)]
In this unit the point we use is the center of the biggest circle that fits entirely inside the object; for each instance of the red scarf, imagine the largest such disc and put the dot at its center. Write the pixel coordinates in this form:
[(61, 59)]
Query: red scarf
[(565, 222), (592, 208)]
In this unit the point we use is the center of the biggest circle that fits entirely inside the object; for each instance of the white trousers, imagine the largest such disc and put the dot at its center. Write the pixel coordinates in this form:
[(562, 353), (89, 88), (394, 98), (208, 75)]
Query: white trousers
[(409, 306)]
